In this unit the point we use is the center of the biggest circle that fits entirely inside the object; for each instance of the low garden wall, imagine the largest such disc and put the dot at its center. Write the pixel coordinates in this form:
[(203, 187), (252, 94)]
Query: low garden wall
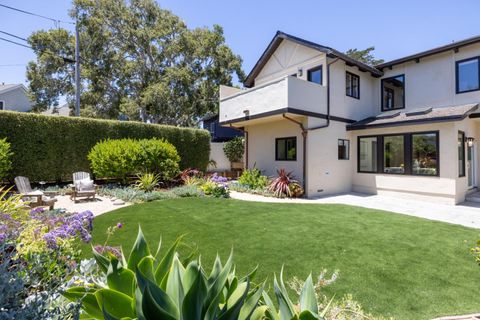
[(218, 155), (52, 148)]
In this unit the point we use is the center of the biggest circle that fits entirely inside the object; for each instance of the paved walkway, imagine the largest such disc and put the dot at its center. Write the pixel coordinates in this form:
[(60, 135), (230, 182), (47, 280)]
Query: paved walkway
[(98, 206), (466, 214)]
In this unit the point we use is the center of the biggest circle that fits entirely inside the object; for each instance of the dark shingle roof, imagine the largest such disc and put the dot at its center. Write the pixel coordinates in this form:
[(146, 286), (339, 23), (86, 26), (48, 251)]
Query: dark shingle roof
[(417, 116)]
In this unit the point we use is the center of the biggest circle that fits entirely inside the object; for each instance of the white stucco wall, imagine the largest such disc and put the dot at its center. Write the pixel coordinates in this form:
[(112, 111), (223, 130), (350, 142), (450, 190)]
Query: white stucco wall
[(431, 82), (261, 147), (442, 188), (217, 154), (16, 100)]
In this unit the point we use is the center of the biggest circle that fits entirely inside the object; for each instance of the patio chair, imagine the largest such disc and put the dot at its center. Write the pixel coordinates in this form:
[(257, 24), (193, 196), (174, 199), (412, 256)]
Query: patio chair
[(83, 186), (34, 198)]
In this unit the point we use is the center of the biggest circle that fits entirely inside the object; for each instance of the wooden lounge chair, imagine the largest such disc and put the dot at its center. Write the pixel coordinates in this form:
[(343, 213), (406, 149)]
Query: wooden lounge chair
[(34, 198), (83, 186)]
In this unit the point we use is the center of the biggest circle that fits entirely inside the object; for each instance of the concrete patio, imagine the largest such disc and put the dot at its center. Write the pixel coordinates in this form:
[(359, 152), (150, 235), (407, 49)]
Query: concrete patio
[(466, 214)]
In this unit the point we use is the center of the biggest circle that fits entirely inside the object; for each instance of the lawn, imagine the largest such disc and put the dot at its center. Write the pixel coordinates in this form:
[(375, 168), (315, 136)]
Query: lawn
[(394, 265)]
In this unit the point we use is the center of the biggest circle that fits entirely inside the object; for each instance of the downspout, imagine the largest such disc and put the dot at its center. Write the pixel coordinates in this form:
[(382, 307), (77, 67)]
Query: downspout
[(306, 130)]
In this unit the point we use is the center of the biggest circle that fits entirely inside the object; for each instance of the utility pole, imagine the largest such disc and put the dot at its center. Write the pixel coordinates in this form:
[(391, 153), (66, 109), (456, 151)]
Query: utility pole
[(77, 68)]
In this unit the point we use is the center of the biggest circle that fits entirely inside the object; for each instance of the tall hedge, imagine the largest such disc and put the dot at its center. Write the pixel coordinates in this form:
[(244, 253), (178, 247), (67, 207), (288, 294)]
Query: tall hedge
[(52, 148)]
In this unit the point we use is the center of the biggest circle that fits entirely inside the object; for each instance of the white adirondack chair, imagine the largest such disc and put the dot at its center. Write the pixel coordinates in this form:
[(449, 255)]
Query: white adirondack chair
[(34, 198), (83, 186)]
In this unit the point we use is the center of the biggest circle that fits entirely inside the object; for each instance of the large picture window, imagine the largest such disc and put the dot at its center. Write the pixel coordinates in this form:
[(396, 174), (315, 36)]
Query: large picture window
[(394, 154), (468, 75), (315, 75), (424, 154), (461, 153), (406, 153), (286, 149), (393, 93), (367, 154), (352, 85)]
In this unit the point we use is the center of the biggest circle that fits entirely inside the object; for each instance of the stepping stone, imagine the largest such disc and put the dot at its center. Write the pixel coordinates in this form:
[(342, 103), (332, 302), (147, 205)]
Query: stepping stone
[(119, 202)]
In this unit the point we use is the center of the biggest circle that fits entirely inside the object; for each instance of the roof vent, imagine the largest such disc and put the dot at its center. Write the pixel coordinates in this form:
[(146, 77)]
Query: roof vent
[(419, 111), (388, 114)]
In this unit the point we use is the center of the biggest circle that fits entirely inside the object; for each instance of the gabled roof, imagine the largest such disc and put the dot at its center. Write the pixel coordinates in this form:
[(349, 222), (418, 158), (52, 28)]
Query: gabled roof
[(417, 116), (280, 36), (452, 46), (8, 87)]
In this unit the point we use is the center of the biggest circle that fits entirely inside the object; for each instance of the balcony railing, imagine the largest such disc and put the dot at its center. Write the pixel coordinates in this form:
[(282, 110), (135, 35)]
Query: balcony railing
[(289, 93)]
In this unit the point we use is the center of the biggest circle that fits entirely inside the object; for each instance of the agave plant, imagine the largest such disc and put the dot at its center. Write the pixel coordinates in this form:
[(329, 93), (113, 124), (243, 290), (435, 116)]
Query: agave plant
[(148, 287), (280, 185)]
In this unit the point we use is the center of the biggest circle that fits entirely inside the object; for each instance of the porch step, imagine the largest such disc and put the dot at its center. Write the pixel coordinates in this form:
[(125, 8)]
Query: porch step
[(473, 197)]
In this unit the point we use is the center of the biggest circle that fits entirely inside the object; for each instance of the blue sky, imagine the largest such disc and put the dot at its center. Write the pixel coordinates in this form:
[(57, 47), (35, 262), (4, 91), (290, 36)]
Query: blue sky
[(395, 28)]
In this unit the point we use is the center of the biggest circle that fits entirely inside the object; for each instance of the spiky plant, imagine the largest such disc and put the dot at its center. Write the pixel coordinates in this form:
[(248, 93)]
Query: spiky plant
[(280, 185)]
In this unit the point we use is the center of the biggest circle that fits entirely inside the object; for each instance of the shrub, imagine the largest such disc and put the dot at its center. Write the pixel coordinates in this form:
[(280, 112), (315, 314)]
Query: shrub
[(186, 191), (147, 181), (253, 179), (124, 157), (51, 148), (234, 149), (5, 158), (284, 184), (217, 190)]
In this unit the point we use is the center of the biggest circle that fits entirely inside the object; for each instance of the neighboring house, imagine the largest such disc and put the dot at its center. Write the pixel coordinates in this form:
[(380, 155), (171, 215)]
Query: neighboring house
[(58, 111), (217, 132), (14, 97), (408, 127)]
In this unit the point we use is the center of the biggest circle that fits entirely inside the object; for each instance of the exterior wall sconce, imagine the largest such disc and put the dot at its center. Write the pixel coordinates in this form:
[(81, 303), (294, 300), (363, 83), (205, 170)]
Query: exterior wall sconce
[(470, 141), (246, 112), (299, 72)]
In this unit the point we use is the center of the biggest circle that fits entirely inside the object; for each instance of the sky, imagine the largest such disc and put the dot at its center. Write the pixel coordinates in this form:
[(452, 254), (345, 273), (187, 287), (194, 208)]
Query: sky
[(395, 28)]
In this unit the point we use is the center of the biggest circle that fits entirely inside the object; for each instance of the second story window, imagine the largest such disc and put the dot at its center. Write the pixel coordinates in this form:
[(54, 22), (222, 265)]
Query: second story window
[(315, 75), (352, 85), (468, 75), (393, 93)]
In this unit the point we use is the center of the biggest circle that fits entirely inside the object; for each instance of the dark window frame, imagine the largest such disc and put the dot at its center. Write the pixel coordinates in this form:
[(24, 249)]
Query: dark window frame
[(393, 96), (309, 74), (352, 76), (462, 133), (379, 161), (348, 148), (457, 91), (407, 149), (286, 151), (2, 105)]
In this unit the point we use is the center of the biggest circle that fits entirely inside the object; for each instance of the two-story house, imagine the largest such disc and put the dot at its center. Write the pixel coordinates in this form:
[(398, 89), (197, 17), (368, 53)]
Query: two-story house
[(407, 127)]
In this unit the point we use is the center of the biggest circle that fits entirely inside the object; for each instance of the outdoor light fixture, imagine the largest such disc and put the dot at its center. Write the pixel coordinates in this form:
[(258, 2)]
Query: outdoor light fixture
[(470, 141), (299, 72), (246, 112)]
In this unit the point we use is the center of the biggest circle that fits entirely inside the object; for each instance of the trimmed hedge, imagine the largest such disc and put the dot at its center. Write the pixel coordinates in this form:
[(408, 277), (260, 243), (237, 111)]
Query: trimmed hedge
[(120, 158), (52, 148)]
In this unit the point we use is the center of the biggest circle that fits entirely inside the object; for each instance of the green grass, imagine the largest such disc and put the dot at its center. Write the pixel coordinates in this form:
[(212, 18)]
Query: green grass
[(394, 265)]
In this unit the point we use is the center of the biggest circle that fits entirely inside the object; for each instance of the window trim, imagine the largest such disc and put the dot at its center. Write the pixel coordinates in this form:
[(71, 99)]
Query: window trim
[(276, 148), (309, 71), (463, 159), (407, 149), (457, 91), (352, 75), (393, 99), (348, 150)]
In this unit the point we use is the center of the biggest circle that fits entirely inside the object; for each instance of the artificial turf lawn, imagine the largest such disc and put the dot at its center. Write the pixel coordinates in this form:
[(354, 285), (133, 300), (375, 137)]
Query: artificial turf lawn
[(394, 265)]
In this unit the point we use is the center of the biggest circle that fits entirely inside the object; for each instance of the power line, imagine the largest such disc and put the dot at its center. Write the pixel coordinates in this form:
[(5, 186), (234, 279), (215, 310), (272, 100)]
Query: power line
[(17, 43), (12, 35), (36, 15)]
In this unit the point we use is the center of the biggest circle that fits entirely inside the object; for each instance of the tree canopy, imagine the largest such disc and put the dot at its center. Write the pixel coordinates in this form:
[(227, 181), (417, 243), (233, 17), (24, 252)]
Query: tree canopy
[(366, 56), (137, 61)]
